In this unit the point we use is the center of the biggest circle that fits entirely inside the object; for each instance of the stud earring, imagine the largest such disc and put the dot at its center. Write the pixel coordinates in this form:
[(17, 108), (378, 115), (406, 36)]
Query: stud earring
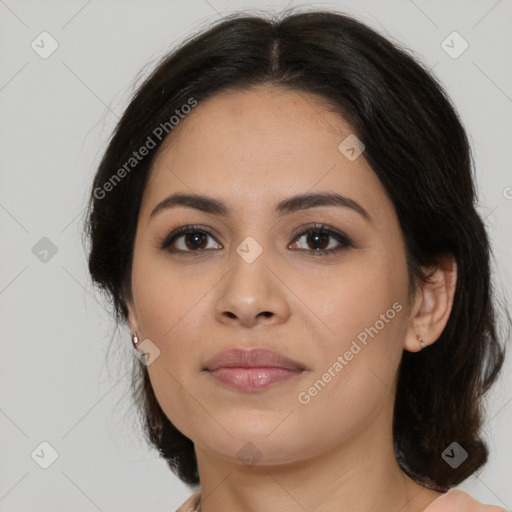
[(135, 340), (420, 340)]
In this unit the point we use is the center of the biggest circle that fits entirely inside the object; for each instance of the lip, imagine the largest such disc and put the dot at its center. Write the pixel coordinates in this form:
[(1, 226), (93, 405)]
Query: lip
[(252, 369), (251, 358)]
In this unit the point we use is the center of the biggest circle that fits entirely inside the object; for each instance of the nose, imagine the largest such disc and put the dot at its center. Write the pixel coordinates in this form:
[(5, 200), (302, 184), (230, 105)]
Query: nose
[(252, 293)]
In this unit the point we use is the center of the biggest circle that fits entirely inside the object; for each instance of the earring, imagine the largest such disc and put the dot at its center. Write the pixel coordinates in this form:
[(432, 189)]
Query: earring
[(420, 340), (135, 340)]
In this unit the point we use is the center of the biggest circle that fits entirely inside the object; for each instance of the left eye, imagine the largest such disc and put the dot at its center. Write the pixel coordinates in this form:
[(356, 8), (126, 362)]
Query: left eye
[(319, 238)]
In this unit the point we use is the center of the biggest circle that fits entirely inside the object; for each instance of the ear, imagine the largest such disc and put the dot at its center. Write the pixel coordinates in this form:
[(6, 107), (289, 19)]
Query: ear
[(433, 305), (133, 322)]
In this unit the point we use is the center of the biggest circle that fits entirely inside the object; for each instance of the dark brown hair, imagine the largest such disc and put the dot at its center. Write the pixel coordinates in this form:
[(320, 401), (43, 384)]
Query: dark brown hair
[(416, 145)]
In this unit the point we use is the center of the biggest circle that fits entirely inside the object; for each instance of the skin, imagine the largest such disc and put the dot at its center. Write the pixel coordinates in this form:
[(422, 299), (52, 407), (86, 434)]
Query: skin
[(253, 148)]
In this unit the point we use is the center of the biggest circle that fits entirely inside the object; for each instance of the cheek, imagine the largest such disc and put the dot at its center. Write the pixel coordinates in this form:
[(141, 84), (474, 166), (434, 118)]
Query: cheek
[(361, 313), (357, 365), (365, 295), (168, 294), (172, 308)]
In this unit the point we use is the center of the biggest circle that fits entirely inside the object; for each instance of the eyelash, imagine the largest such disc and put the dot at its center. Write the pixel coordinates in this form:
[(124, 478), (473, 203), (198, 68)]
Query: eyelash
[(321, 228)]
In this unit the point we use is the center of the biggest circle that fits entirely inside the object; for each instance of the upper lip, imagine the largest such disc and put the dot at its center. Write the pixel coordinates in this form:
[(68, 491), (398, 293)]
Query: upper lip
[(251, 358)]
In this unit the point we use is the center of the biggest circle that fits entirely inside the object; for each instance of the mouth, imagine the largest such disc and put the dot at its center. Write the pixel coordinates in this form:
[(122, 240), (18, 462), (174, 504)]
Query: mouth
[(252, 369)]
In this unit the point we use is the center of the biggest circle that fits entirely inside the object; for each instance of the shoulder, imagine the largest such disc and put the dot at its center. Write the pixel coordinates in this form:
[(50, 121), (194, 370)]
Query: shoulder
[(191, 504), (456, 500)]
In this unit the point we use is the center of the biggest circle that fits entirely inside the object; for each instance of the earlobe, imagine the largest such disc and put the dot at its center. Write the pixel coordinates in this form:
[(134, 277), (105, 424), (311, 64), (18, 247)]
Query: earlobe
[(433, 305), (133, 324)]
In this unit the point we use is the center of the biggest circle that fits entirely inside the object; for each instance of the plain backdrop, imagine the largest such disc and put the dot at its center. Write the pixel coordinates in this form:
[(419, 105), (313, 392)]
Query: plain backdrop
[(62, 405)]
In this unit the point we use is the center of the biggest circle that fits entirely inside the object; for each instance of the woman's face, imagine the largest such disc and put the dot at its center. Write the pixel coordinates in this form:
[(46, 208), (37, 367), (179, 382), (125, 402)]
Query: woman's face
[(258, 281)]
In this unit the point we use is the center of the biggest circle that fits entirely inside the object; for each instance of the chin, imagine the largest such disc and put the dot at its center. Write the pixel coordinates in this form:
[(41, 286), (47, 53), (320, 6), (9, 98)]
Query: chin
[(268, 443)]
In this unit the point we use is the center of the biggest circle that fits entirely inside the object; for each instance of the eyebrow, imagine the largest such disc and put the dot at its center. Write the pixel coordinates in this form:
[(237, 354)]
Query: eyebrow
[(285, 207)]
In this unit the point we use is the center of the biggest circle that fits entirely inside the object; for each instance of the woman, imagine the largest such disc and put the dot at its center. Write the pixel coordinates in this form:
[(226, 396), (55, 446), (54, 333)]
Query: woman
[(284, 218)]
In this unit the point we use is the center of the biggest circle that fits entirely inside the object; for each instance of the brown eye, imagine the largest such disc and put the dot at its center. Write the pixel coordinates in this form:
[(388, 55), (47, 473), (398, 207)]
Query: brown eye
[(188, 239), (195, 240), (321, 241)]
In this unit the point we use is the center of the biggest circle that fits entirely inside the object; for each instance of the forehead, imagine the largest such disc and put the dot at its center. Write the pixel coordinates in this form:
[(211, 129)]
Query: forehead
[(256, 146)]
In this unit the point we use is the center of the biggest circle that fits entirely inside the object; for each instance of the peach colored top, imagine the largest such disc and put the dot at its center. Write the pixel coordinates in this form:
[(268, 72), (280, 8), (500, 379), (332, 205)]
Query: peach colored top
[(455, 500)]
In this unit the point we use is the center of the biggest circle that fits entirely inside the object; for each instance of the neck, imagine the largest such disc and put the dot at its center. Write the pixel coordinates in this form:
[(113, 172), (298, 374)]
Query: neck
[(359, 475)]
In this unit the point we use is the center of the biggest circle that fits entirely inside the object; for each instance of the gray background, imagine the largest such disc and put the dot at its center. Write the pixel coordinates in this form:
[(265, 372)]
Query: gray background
[(57, 114)]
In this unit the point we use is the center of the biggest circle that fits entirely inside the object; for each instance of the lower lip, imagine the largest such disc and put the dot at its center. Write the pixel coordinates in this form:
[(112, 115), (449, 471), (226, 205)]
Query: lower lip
[(252, 379)]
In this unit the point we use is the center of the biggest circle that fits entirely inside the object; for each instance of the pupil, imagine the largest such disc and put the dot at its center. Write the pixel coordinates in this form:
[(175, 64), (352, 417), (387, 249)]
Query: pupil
[(315, 235), (197, 239)]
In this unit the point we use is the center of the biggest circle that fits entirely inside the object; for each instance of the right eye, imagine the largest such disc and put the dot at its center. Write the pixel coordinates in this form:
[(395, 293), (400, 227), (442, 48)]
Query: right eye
[(189, 239)]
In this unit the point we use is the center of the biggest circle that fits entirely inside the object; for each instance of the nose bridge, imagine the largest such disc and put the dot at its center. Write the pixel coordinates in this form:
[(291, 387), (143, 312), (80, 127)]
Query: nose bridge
[(252, 241), (250, 249), (250, 287), (250, 260)]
